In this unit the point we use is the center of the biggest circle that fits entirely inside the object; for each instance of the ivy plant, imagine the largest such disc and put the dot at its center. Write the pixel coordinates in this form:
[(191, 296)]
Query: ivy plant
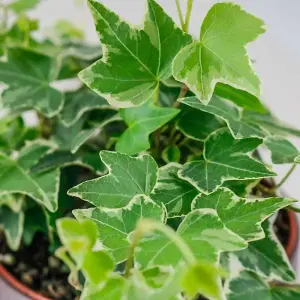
[(147, 178)]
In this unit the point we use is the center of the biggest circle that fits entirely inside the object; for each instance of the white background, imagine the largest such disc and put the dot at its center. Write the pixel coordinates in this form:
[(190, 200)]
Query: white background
[(277, 53)]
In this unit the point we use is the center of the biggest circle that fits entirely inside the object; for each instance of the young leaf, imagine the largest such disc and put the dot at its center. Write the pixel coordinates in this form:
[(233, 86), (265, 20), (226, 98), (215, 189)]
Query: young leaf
[(249, 286), (79, 239), (198, 124), (204, 233), (142, 121), (128, 177), (174, 193), (224, 158), (20, 6), (114, 225), (220, 55), (282, 150), (134, 60), (29, 75), (112, 289), (43, 187), (78, 103), (12, 223), (204, 279), (242, 216), (267, 257), (230, 114)]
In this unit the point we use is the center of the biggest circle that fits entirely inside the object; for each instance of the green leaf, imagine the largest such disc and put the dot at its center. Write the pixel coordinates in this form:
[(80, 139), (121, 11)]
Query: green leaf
[(249, 286), (220, 55), (241, 188), (114, 225), (42, 187), (204, 233), (127, 75), (96, 266), (14, 202), (61, 159), (79, 103), (240, 215), (112, 289), (230, 114), (77, 237), (82, 51), (224, 158), (20, 6), (142, 121), (198, 124), (267, 257), (171, 154), (270, 123), (72, 138), (29, 75), (127, 178), (174, 193), (240, 98), (282, 150), (12, 223), (203, 279)]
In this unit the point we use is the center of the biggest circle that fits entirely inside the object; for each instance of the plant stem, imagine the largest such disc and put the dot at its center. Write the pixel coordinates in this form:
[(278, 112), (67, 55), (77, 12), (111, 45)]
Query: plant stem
[(185, 28), (146, 226), (183, 91), (285, 178), (180, 13), (293, 208)]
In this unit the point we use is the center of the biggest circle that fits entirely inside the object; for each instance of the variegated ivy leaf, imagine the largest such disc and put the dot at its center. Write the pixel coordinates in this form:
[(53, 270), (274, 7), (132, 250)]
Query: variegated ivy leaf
[(240, 215), (230, 114), (267, 257), (270, 123), (78, 103), (198, 124), (240, 98), (142, 121), (60, 159), (220, 55), (241, 188), (224, 158), (14, 202), (173, 192), (134, 60), (72, 138), (128, 176), (11, 221), (114, 225), (204, 233), (282, 150), (43, 187), (28, 75), (247, 285)]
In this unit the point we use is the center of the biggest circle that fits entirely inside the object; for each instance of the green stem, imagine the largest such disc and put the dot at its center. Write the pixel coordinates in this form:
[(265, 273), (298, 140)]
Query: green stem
[(185, 28), (156, 95), (146, 226), (180, 13), (286, 177)]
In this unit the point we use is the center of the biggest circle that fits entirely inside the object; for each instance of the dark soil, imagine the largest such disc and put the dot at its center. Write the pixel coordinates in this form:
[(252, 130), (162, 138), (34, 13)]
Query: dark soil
[(35, 267), (38, 269)]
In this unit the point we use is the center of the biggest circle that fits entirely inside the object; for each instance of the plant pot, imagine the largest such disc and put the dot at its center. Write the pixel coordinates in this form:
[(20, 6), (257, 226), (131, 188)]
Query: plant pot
[(19, 286), (23, 289)]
